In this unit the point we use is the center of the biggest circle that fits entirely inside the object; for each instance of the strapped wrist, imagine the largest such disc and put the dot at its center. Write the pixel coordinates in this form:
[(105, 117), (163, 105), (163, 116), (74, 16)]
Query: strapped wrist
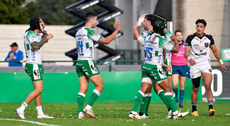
[(139, 22), (221, 61), (140, 39), (188, 58)]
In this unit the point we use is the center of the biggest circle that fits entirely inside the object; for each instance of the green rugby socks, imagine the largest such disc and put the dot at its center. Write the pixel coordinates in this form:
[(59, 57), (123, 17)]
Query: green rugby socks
[(162, 96), (149, 100), (93, 97), (137, 100), (80, 100), (169, 98)]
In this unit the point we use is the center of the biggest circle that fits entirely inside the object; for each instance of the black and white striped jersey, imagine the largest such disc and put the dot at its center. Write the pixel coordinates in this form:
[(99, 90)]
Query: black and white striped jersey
[(200, 47)]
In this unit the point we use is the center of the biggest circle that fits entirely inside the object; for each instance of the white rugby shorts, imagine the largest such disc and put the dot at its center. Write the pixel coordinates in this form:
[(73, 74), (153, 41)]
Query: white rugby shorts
[(196, 70)]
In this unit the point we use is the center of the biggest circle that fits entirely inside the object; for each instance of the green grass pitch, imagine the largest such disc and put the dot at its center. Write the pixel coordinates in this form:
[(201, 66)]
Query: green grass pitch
[(114, 114)]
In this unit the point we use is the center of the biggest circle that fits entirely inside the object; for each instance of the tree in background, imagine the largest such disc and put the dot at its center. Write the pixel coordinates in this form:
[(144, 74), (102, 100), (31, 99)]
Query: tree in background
[(15, 12), (51, 11), (21, 11)]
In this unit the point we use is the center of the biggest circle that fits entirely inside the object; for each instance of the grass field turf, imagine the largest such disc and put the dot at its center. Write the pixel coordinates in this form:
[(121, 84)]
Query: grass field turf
[(114, 114)]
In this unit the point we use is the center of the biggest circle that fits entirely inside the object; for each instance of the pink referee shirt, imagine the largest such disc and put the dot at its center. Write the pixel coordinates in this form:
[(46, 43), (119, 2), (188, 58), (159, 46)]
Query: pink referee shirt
[(178, 59)]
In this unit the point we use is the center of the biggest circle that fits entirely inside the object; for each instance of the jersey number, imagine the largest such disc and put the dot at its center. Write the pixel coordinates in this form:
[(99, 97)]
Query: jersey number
[(80, 46), (149, 52)]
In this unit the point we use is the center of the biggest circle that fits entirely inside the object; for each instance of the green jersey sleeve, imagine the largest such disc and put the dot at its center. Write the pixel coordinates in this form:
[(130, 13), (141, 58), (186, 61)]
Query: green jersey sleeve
[(144, 34), (32, 37), (168, 35), (91, 34), (165, 44)]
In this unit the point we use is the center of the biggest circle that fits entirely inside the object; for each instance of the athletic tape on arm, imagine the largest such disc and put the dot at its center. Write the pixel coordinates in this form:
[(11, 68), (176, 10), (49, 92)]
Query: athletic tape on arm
[(140, 39)]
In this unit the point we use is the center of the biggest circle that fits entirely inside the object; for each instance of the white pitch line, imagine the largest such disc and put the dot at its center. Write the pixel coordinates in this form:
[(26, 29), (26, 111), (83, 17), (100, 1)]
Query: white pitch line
[(33, 122)]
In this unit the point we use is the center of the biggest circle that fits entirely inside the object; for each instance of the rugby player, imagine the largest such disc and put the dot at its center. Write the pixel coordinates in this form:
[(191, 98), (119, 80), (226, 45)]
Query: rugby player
[(152, 69), (147, 98), (86, 67), (197, 53), (35, 37)]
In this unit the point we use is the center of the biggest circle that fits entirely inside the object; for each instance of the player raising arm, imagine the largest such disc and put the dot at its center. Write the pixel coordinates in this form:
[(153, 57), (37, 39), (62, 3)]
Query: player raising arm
[(86, 67), (35, 37), (152, 71)]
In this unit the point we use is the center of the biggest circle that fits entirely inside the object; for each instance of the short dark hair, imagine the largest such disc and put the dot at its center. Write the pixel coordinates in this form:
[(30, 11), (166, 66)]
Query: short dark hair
[(201, 21), (90, 15), (150, 18), (178, 31)]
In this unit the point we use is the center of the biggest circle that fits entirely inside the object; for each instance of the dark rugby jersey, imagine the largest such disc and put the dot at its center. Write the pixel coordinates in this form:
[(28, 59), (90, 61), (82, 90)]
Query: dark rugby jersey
[(200, 47)]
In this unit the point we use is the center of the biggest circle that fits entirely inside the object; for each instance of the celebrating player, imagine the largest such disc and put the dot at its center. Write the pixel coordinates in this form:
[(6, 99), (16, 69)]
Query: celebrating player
[(152, 71), (197, 53), (86, 67), (35, 37), (147, 98)]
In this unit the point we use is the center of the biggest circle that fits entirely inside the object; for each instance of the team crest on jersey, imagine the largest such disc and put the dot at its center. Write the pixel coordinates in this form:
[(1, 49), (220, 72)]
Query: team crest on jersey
[(206, 44)]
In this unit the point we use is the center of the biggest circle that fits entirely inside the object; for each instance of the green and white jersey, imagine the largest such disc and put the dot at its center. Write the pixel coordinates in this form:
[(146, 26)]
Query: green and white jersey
[(85, 38), (33, 56), (146, 33), (154, 45), (167, 36)]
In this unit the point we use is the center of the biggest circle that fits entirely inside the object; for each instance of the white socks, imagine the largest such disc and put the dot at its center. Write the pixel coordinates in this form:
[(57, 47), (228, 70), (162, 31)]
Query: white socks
[(88, 107), (23, 106), (39, 110)]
